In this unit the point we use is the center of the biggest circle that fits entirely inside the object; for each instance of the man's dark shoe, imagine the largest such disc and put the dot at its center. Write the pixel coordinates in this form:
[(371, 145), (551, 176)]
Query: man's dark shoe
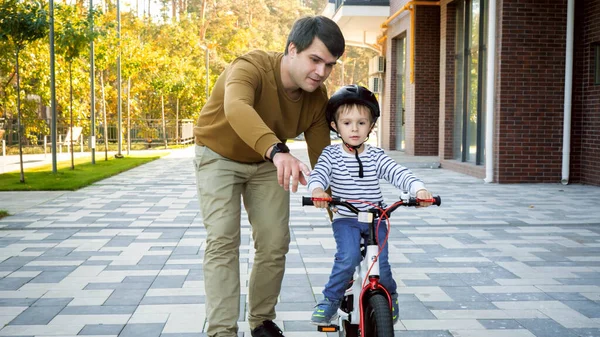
[(267, 329)]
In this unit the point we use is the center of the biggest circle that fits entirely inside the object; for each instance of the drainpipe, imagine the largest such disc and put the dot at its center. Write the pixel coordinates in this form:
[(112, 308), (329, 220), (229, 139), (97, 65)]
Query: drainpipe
[(566, 160), (489, 94)]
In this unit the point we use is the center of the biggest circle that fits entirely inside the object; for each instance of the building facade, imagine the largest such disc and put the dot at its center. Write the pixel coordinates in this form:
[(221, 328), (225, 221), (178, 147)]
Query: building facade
[(504, 90)]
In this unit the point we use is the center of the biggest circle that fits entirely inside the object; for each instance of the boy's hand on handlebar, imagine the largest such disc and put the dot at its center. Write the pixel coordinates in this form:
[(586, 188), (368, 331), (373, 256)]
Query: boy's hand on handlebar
[(290, 170), (424, 194), (320, 193)]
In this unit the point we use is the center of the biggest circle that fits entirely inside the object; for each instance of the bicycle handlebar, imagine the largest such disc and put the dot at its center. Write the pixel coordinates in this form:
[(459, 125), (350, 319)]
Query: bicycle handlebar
[(308, 201)]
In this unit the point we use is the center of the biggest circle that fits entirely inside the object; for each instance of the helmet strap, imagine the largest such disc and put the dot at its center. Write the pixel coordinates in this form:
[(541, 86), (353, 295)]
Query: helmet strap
[(354, 149)]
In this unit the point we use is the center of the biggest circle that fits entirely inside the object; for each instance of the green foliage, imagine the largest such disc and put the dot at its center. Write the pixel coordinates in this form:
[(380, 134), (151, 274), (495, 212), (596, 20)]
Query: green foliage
[(73, 33), (158, 55), (22, 22)]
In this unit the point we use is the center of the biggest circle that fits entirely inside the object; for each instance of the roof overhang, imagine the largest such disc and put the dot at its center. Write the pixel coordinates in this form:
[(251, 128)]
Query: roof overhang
[(360, 24)]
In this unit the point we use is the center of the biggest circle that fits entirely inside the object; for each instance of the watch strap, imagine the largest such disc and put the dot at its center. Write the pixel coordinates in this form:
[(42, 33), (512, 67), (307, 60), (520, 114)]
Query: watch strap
[(278, 148)]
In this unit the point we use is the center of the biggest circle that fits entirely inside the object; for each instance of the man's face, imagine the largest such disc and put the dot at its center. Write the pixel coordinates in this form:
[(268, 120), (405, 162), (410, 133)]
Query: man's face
[(311, 67)]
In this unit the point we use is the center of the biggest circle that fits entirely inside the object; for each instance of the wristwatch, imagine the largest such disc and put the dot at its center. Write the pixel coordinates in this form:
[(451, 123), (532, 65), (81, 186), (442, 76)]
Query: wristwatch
[(278, 148)]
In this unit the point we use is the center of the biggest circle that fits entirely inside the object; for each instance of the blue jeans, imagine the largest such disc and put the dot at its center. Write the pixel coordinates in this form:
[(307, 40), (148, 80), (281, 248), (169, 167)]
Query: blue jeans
[(347, 233)]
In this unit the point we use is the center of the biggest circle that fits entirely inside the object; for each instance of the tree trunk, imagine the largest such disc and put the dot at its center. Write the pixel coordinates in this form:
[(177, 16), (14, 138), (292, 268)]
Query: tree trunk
[(19, 133), (204, 22), (177, 121), (128, 115), (164, 126)]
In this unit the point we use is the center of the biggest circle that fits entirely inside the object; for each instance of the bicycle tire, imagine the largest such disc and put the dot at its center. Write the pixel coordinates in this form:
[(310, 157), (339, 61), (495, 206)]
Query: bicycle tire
[(378, 317)]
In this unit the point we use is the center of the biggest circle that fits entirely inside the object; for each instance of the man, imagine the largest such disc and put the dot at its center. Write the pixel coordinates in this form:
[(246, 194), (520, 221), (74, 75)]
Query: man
[(259, 101)]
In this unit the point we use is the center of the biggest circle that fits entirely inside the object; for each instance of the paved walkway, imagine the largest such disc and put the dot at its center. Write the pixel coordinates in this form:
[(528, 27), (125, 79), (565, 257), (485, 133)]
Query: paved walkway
[(124, 257)]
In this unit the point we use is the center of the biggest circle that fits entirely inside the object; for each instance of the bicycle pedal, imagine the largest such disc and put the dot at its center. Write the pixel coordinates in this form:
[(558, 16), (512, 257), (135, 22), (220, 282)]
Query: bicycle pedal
[(329, 328)]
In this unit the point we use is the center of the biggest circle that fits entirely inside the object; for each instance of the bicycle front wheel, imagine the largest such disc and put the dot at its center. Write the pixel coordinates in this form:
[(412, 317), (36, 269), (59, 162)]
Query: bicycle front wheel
[(378, 317)]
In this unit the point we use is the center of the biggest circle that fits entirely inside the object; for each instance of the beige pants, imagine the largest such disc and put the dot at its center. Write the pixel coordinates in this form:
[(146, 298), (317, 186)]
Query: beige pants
[(222, 183)]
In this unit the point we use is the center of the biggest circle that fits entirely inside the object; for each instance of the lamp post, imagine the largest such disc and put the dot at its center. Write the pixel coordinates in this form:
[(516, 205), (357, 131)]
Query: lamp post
[(92, 92), (119, 112), (52, 89)]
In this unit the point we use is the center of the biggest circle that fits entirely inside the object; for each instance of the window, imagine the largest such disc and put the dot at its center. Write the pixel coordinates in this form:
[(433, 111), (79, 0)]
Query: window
[(470, 59), (597, 63)]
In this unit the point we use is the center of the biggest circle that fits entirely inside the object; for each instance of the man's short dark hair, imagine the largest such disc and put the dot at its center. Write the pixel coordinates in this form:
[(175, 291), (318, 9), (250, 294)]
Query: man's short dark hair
[(307, 28)]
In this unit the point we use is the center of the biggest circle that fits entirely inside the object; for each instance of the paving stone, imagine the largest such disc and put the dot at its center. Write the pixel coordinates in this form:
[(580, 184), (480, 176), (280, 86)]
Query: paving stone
[(473, 259), (298, 293), (17, 302), (99, 310), (57, 252), (16, 261), (500, 324), (587, 332), (154, 300), (139, 279), (590, 309), (429, 333), (185, 251), (296, 305), (128, 297), (457, 305), (50, 277), (546, 328), (13, 283), (37, 315), (141, 330), (52, 302), (519, 297), (168, 282), (567, 296), (414, 310), (120, 286), (101, 329), (298, 326), (464, 294), (149, 260)]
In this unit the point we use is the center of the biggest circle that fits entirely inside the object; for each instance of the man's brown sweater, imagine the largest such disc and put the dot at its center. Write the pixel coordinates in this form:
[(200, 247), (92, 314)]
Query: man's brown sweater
[(249, 110)]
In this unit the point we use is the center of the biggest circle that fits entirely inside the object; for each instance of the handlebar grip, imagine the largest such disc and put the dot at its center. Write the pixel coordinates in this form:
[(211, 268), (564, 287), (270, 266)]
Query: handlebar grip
[(307, 201), (438, 200)]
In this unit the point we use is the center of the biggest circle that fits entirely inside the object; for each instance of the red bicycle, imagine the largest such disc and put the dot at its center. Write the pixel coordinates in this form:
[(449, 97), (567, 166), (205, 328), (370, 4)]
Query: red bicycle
[(366, 309)]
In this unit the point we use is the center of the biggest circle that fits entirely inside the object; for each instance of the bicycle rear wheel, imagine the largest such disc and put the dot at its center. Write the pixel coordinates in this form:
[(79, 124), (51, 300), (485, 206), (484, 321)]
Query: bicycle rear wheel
[(378, 317)]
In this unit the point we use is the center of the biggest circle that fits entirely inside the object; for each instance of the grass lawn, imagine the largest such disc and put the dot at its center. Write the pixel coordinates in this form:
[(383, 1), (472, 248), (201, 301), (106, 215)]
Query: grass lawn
[(3, 213), (42, 179)]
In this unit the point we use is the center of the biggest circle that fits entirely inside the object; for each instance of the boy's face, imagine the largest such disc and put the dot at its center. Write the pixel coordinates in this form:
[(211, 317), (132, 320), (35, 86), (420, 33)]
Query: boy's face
[(311, 67), (353, 124)]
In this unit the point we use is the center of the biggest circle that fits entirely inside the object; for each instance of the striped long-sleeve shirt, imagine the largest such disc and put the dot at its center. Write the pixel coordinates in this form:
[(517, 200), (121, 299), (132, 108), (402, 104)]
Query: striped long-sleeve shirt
[(339, 170)]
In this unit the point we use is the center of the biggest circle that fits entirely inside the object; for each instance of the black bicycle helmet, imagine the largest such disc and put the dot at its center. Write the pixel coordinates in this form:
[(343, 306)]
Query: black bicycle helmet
[(352, 94)]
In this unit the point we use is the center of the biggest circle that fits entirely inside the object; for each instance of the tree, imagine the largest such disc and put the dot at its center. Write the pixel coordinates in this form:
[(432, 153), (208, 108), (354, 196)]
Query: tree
[(74, 36), (105, 55), (21, 22)]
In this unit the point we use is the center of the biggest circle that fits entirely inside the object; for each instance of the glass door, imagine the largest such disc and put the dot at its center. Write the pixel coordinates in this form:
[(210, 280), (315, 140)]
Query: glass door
[(400, 91)]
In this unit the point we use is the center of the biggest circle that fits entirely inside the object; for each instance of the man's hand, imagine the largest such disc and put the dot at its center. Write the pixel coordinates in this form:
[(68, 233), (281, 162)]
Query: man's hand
[(289, 166), (424, 194)]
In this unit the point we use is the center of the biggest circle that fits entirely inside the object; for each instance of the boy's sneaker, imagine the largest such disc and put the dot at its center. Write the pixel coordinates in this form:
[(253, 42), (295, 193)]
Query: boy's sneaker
[(395, 314), (325, 312)]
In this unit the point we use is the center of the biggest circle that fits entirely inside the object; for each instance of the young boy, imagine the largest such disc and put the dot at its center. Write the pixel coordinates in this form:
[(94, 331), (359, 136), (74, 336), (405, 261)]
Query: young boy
[(352, 170)]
